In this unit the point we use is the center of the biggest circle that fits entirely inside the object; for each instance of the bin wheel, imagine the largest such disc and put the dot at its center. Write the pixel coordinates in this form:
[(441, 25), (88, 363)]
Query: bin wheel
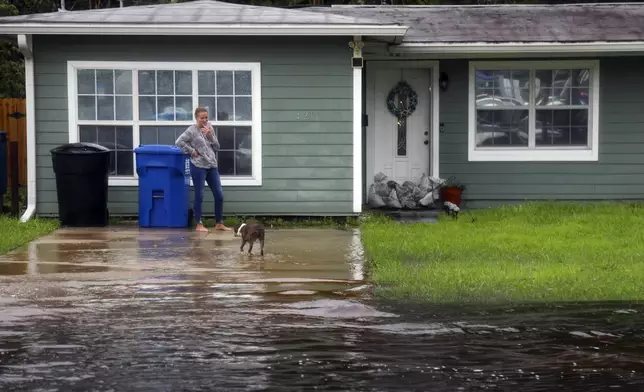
[(191, 217)]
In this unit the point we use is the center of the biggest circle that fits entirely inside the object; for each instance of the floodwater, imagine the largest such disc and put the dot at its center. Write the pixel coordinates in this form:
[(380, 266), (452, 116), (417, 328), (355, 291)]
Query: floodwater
[(130, 310)]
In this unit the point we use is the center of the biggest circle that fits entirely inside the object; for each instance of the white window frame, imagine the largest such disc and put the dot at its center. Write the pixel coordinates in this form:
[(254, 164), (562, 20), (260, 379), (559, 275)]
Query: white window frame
[(256, 134), (531, 154)]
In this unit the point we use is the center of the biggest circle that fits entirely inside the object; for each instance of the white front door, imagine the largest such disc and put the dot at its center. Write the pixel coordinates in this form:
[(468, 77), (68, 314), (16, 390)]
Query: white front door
[(401, 154)]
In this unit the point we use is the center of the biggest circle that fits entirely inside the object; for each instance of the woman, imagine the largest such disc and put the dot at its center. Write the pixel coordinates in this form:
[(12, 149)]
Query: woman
[(200, 143)]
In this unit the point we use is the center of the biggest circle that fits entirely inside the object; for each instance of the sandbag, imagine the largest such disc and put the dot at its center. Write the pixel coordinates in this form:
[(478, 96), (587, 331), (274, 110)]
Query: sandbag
[(406, 194), (374, 199)]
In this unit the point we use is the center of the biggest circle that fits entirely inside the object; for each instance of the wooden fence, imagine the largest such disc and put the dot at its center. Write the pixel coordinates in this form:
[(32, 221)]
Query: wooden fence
[(13, 121)]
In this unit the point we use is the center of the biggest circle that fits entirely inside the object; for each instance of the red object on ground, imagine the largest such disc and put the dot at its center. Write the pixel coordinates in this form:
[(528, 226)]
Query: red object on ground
[(451, 194)]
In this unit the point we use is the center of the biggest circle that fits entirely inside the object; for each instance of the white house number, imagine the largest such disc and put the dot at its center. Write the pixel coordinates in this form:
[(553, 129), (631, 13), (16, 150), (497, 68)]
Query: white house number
[(306, 116)]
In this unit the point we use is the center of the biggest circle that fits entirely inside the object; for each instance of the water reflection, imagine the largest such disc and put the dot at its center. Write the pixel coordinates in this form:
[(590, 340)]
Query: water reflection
[(298, 319)]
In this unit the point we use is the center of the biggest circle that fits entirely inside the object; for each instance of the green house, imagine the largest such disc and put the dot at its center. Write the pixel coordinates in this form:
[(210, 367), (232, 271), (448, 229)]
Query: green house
[(516, 102)]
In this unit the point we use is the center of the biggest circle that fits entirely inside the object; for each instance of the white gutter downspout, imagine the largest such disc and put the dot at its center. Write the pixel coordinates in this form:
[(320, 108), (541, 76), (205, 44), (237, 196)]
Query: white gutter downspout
[(25, 45), (356, 45)]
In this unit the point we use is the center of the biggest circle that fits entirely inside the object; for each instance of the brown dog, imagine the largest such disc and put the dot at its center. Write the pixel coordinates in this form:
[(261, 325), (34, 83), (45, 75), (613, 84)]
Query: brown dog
[(250, 232)]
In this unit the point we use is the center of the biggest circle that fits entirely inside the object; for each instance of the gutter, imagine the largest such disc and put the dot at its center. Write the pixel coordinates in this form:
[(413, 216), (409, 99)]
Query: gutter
[(26, 47), (196, 29), (474, 48)]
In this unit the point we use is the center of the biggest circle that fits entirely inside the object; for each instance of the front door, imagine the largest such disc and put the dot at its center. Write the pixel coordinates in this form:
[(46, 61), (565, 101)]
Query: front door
[(400, 151)]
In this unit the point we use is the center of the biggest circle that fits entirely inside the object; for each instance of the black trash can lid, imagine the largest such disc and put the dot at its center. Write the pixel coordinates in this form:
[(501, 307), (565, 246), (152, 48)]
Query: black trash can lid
[(80, 148)]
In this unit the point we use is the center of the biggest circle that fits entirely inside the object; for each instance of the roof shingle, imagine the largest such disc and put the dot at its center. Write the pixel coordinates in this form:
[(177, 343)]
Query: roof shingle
[(508, 23)]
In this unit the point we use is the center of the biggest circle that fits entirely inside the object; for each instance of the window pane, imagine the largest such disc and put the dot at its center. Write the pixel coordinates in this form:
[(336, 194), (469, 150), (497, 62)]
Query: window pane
[(243, 83), (225, 109), (118, 140), (87, 108), (124, 107), (160, 135), (124, 163), (226, 137), (165, 82), (209, 104), (165, 108), (562, 127), (87, 134), (105, 108), (184, 108), (123, 138), (243, 138), (86, 81), (562, 87), (147, 108), (168, 135), (580, 96), (243, 153), (123, 82), (148, 135), (147, 82), (104, 82), (502, 88), (226, 163), (243, 109), (235, 150), (502, 128), (206, 82), (224, 82), (183, 82)]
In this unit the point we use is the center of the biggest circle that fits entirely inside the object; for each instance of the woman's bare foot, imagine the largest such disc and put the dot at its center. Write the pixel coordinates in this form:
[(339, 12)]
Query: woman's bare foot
[(221, 227), (200, 227)]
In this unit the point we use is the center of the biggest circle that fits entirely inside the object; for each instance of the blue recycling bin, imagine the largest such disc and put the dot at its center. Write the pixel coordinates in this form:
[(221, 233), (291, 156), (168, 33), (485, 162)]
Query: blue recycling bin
[(164, 186)]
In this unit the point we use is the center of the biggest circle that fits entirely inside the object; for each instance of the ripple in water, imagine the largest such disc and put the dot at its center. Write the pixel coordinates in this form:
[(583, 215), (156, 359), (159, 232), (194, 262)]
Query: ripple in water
[(179, 336)]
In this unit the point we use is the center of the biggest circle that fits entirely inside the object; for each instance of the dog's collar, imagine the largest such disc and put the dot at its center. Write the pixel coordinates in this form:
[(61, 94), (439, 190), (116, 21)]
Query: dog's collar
[(240, 228)]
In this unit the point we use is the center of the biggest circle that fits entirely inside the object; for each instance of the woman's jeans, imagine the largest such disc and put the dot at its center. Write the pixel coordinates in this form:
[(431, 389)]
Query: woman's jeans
[(200, 177)]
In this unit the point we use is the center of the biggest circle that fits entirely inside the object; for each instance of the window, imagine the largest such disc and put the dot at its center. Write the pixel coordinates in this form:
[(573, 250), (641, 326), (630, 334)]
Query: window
[(122, 105), (533, 111)]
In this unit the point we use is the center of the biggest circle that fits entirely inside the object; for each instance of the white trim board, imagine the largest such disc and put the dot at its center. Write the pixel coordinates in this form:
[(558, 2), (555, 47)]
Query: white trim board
[(433, 67), (203, 29), (517, 48), (256, 122), (531, 153)]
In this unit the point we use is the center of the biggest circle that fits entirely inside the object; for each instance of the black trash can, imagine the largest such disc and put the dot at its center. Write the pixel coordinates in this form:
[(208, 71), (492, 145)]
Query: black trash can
[(82, 170)]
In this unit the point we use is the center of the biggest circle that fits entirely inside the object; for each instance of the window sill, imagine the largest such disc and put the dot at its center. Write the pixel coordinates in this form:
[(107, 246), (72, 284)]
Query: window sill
[(225, 181), (532, 155)]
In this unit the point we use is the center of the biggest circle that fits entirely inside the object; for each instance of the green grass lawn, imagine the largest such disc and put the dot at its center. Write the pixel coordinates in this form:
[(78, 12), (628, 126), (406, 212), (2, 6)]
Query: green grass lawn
[(14, 234), (530, 252)]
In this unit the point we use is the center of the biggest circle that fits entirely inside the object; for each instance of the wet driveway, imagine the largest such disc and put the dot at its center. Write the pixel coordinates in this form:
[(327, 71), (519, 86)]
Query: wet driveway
[(159, 310)]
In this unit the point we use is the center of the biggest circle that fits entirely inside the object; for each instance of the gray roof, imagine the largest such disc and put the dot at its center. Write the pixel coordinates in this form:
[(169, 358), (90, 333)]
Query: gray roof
[(508, 23), (196, 12)]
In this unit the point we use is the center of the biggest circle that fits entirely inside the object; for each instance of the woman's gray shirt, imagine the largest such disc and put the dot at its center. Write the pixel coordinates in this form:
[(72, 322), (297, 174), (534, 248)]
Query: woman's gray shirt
[(192, 139)]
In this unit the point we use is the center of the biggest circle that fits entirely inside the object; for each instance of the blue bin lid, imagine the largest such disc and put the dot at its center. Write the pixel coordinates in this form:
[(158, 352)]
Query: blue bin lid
[(158, 149)]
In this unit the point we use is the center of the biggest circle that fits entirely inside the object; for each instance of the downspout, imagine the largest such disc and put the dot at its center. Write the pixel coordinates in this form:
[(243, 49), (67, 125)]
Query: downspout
[(25, 45)]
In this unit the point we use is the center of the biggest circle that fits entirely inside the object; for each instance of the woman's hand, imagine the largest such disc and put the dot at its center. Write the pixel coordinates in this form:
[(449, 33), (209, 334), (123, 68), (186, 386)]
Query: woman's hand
[(206, 131), (195, 153)]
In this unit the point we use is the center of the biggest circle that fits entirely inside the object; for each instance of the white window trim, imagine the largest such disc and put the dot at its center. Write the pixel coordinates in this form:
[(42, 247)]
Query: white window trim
[(256, 123), (543, 154)]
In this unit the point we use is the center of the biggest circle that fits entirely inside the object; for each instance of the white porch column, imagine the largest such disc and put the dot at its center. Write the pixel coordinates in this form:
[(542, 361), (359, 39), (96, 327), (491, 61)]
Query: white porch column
[(357, 63)]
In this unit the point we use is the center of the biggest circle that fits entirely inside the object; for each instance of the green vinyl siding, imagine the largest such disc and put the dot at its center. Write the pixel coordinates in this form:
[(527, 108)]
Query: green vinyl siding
[(619, 173), (307, 161)]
